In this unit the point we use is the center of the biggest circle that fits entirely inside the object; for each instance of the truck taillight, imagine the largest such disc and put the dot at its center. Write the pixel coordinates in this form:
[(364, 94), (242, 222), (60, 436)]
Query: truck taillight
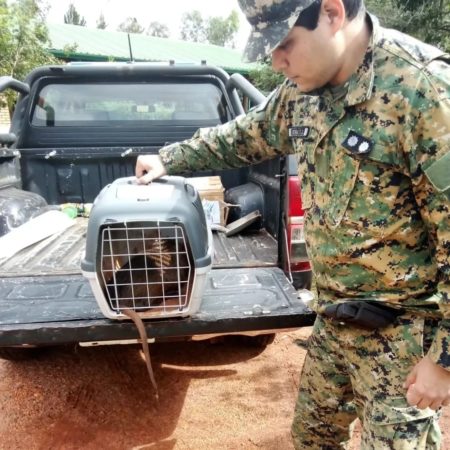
[(295, 234)]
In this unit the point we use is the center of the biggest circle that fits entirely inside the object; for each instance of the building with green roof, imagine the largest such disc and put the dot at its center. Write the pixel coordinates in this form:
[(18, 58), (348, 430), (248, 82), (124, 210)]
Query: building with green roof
[(77, 43)]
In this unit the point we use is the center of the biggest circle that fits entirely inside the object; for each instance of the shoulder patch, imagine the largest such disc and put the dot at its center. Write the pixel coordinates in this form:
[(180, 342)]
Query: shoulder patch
[(439, 173)]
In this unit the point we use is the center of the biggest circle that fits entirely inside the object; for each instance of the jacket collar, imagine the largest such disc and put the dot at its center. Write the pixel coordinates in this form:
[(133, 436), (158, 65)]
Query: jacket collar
[(360, 84)]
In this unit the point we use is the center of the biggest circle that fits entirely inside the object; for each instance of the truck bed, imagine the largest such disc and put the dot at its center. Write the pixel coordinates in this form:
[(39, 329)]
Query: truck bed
[(45, 300), (57, 310), (61, 254)]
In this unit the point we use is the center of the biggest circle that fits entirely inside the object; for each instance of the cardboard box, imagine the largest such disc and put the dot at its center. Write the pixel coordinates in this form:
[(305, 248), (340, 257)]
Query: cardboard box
[(211, 192)]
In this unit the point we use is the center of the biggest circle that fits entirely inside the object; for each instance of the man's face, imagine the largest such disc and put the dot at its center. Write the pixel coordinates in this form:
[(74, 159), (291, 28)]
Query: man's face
[(310, 58)]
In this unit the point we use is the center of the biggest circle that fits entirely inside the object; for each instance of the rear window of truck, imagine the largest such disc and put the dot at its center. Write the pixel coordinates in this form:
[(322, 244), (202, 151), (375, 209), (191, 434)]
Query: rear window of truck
[(95, 104)]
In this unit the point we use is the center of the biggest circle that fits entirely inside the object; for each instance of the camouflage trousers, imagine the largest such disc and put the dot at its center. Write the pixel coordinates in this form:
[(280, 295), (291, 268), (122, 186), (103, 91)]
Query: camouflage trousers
[(351, 373)]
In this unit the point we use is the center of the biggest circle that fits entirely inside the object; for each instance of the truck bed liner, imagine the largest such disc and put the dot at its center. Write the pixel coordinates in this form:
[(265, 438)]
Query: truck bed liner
[(61, 254)]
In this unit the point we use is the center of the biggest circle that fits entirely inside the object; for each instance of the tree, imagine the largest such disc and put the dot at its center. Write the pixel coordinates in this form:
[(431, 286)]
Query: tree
[(215, 30), (5, 36), (428, 20), (131, 25), (23, 40), (158, 29), (193, 28), (221, 31), (101, 23), (73, 17)]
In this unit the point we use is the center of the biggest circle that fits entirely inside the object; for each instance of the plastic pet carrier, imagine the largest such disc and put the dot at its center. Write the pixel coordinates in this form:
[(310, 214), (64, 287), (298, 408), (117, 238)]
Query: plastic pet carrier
[(148, 249)]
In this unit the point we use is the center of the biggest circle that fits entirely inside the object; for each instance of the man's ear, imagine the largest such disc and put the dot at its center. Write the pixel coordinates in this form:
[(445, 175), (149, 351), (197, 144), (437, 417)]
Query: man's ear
[(334, 13)]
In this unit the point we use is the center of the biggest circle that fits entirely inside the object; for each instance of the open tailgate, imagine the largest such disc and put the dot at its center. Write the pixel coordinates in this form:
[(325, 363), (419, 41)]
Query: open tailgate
[(50, 310)]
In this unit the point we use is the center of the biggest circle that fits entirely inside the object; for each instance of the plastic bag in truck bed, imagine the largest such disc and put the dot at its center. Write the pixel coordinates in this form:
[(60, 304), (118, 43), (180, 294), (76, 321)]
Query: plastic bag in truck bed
[(33, 231)]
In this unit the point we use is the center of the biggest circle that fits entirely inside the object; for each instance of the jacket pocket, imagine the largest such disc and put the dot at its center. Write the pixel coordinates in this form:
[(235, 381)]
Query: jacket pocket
[(344, 173), (364, 193)]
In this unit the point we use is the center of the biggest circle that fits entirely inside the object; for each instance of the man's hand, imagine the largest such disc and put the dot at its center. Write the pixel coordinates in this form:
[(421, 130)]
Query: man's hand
[(149, 168), (428, 385)]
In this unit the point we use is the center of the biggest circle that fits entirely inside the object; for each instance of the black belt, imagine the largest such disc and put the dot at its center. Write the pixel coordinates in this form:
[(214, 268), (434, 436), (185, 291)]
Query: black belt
[(363, 314)]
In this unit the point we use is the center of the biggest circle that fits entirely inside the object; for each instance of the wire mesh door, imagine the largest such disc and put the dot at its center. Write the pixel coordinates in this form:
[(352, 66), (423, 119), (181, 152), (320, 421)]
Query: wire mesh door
[(145, 266)]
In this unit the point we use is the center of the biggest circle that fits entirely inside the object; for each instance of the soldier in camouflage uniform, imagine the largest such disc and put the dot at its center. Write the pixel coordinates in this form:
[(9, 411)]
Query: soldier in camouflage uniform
[(366, 111)]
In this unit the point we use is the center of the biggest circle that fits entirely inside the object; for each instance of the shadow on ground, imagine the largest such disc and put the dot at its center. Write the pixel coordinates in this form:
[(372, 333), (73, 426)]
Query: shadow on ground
[(75, 397)]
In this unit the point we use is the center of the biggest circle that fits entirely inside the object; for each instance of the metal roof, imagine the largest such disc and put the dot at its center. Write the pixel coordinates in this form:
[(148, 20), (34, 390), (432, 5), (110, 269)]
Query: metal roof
[(78, 43)]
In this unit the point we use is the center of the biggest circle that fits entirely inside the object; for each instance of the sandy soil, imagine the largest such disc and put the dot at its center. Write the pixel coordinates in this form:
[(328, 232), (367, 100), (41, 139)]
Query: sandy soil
[(222, 396)]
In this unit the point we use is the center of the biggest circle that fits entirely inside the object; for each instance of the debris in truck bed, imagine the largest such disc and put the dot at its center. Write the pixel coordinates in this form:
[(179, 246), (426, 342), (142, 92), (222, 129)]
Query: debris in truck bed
[(238, 225), (35, 230)]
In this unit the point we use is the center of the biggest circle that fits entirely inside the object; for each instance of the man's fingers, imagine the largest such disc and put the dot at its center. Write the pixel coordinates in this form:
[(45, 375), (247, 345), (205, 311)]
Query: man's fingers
[(412, 397), (141, 168), (146, 178), (410, 379), (436, 405), (423, 403), (142, 171), (148, 168), (428, 385)]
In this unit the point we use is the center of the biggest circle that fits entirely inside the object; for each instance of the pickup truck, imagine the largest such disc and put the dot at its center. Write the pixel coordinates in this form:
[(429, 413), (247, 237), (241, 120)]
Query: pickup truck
[(78, 127)]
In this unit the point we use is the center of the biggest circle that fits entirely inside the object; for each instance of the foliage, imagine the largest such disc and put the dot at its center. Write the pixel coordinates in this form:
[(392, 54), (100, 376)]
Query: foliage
[(221, 31), (73, 17), (131, 25), (427, 20), (23, 39), (101, 22), (214, 30), (70, 49), (158, 29), (193, 28), (265, 78)]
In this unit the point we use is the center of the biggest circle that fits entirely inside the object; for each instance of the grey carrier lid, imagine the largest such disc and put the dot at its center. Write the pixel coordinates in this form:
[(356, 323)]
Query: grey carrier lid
[(169, 199)]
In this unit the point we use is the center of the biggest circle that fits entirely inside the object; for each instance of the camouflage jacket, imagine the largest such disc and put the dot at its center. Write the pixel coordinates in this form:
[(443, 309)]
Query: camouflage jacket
[(374, 165)]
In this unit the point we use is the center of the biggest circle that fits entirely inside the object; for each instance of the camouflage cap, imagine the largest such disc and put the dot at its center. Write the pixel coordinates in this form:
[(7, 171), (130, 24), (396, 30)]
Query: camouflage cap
[(271, 21)]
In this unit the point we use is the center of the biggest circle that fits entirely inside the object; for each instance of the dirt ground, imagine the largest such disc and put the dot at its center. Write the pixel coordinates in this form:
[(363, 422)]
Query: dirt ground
[(215, 397)]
